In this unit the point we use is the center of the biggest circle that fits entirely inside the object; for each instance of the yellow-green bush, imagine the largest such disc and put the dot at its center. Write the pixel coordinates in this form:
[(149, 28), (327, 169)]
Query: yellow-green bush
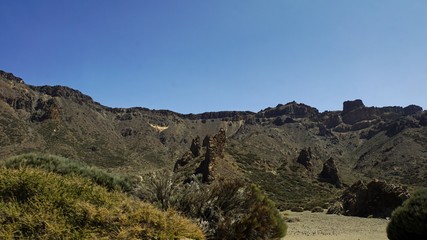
[(65, 166), (35, 204)]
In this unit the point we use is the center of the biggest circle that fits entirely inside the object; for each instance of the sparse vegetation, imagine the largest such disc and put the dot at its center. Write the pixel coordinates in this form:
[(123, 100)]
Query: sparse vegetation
[(317, 209), (158, 188), (64, 166), (297, 209), (410, 220), (227, 209), (35, 204)]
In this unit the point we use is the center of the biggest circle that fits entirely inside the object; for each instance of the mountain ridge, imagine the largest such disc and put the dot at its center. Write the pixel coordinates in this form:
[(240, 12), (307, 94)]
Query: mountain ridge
[(64, 91), (263, 147)]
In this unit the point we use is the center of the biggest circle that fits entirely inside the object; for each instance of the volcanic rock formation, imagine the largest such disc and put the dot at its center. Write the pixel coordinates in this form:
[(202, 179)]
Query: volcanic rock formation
[(377, 199), (304, 158), (330, 173), (214, 149)]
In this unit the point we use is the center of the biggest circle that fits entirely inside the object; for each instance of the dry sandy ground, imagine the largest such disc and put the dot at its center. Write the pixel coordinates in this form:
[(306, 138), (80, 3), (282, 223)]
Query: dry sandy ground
[(321, 226)]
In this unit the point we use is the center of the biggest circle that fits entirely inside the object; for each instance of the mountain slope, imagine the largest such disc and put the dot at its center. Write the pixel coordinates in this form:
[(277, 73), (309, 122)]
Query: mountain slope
[(282, 149)]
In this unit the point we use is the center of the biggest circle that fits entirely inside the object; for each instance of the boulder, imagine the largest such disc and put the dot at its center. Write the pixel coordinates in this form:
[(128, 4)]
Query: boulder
[(329, 173), (304, 158), (376, 199)]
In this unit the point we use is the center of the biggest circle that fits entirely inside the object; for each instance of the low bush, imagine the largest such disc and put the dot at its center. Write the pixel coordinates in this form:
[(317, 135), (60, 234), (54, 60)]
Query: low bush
[(66, 166), (158, 188), (232, 209), (317, 209), (226, 209), (410, 220), (36, 204), (297, 209)]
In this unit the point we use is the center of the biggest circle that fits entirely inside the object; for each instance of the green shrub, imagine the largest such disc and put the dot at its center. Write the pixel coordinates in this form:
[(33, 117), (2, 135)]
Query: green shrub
[(66, 166), (297, 209), (158, 188), (410, 220), (231, 209), (317, 209), (36, 204)]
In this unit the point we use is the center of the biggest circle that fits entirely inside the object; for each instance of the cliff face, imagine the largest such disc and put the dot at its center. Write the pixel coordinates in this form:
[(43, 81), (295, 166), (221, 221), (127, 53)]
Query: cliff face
[(373, 142)]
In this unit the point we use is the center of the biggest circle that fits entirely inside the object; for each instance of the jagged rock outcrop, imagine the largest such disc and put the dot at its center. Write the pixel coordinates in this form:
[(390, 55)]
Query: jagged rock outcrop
[(349, 106), (214, 149), (10, 76), (45, 110), (377, 199), (195, 162), (65, 92), (304, 158), (412, 109), (331, 120), (183, 161), (324, 132), (360, 114), (279, 121), (423, 119), (292, 109), (399, 125), (196, 147), (24, 102), (329, 173)]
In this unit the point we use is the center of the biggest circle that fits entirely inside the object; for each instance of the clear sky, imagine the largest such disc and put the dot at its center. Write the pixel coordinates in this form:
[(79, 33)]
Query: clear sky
[(198, 55)]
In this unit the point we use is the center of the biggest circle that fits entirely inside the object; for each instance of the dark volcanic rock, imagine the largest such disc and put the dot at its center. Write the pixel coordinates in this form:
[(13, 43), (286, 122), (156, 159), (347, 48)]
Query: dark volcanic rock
[(304, 158), (324, 132), (330, 173), (23, 102), (360, 114), (412, 109), (377, 199), (10, 76), (184, 160), (292, 109), (278, 121), (45, 110), (65, 92), (196, 147), (332, 120), (398, 126), (349, 106), (423, 119), (214, 149)]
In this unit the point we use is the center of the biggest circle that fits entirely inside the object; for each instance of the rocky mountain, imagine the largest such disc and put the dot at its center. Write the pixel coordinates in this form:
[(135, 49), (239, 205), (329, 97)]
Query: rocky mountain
[(286, 150)]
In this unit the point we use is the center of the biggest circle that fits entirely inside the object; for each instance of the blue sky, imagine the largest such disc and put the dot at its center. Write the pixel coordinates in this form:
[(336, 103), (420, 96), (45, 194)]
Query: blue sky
[(196, 56)]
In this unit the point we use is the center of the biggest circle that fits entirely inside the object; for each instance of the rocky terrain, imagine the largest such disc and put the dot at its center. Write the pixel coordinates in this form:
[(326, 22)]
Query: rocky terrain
[(298, 155)]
